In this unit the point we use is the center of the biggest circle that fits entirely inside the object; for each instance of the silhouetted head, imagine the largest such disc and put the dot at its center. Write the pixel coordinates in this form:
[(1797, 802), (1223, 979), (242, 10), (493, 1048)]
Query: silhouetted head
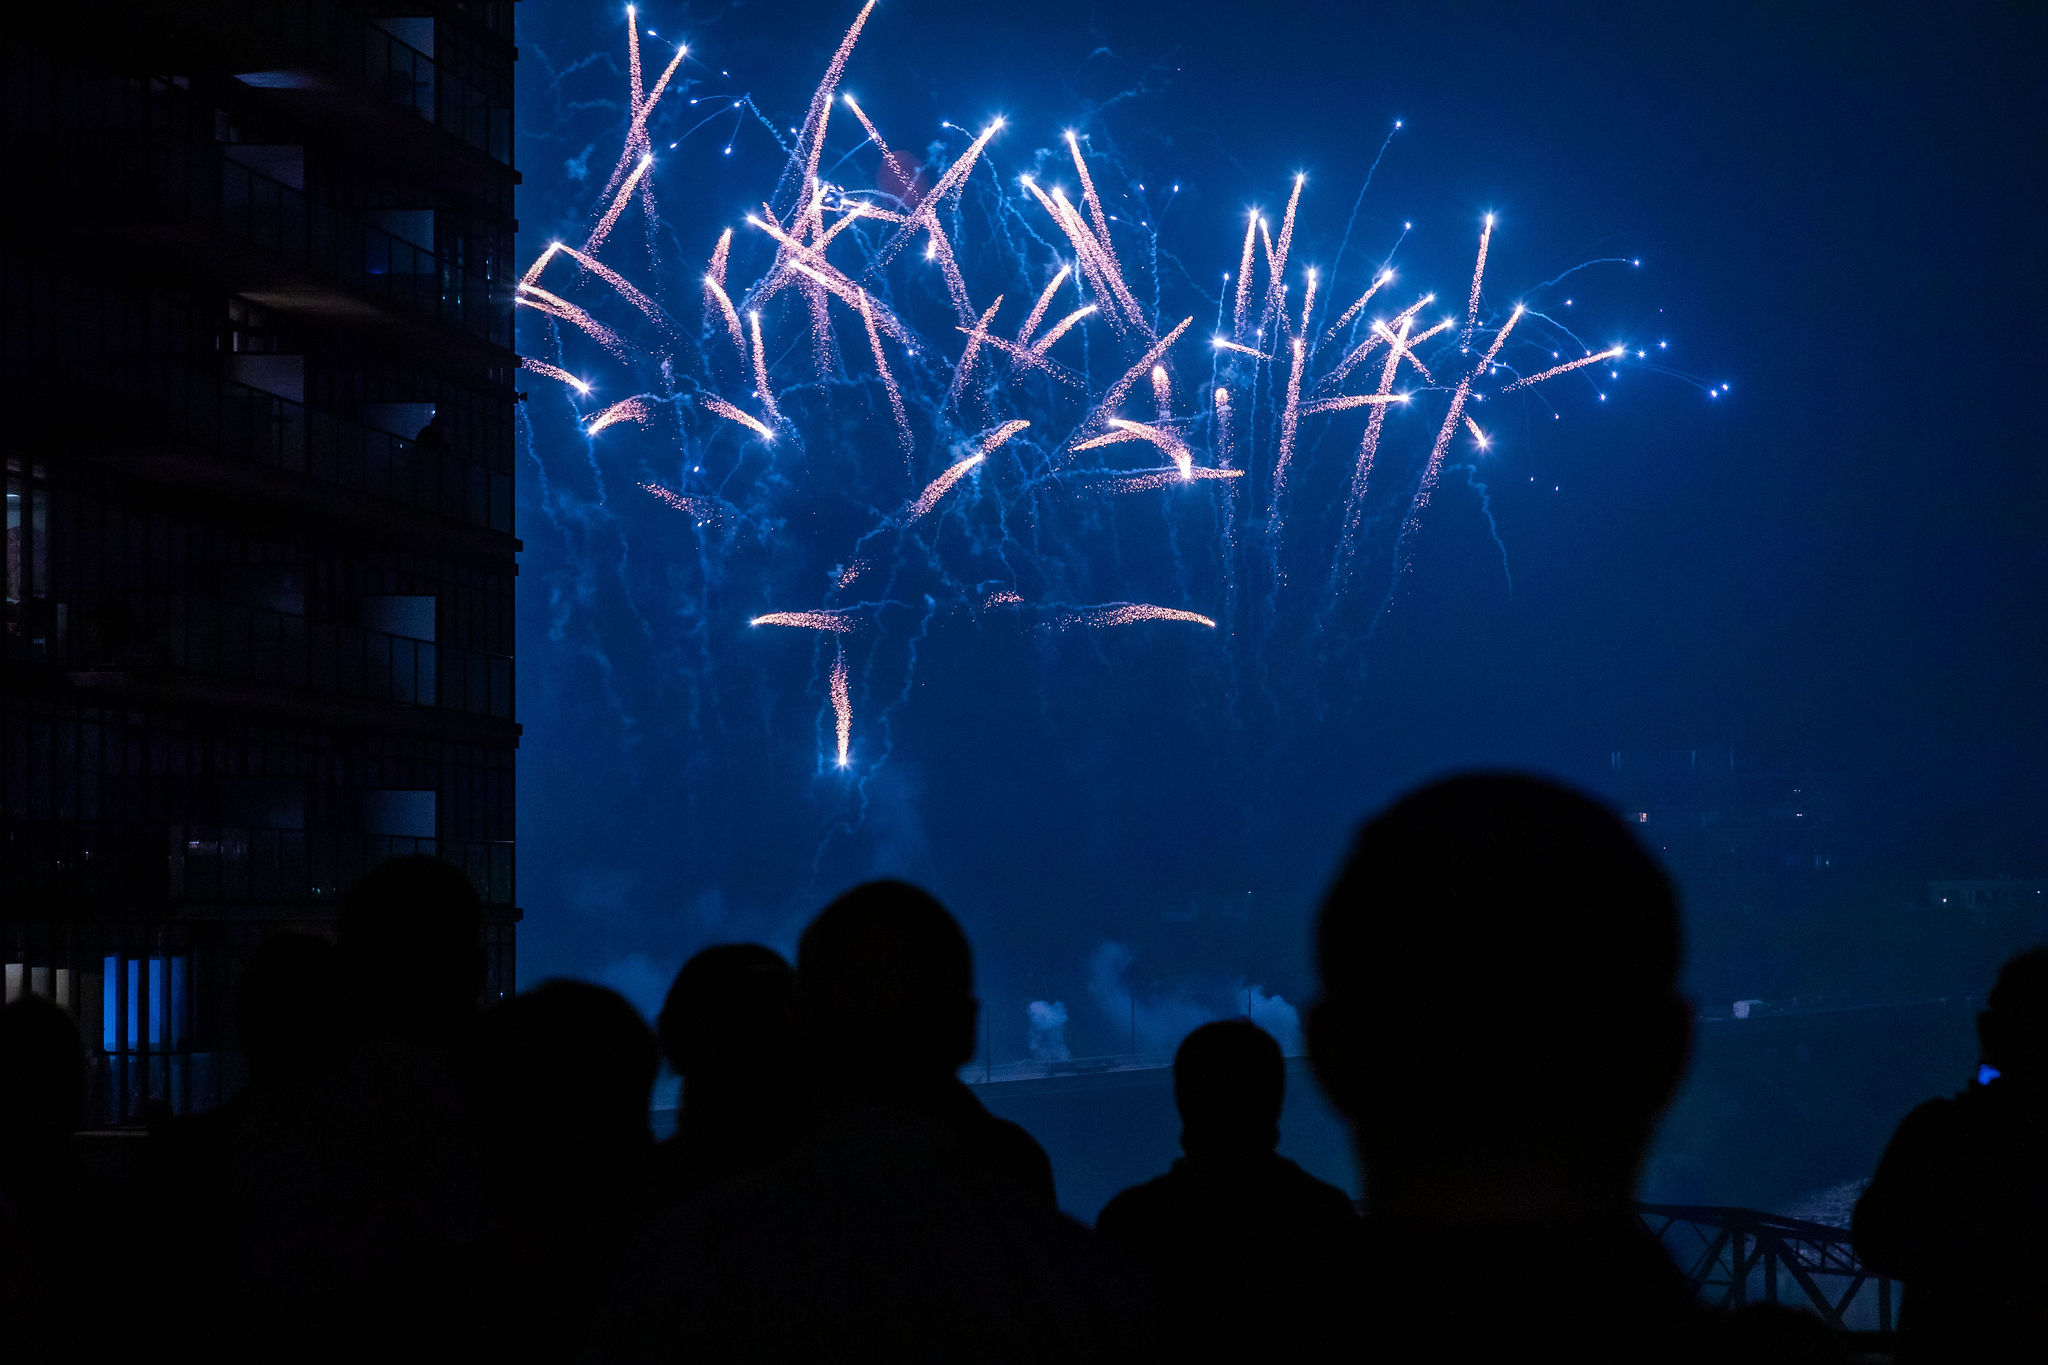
[(1499, 963), (731, 1015), (290, 1014), (2013, 1027), (885, 988), (562, 1073), (42, 1080), (412, 956), (1228, 1082)]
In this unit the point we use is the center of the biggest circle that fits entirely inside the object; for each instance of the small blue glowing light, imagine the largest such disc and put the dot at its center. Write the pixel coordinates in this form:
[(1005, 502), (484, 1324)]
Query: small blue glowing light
[(1986, 1073)]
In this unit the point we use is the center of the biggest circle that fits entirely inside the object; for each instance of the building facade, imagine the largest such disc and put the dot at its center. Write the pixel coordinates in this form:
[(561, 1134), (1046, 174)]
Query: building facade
[(255, 293)]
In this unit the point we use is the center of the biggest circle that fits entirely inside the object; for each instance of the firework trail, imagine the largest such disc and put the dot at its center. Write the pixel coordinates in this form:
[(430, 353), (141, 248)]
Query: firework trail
[(763, 390), (1038, 309), (1126, 614), (1060, 329), (903, 436), (1146, 480), (1238, 314), (842, 706), (1555, 370), (702, 510), (1290, 414), (542, 368), (1478, 273), (1432, 470), (1019, 528), (732, 317), (938, 488), (555, 306), (1344, 319), (976, 335), (1118, 391), (618, 206), (838, 623), (733, 414), (628, 410)]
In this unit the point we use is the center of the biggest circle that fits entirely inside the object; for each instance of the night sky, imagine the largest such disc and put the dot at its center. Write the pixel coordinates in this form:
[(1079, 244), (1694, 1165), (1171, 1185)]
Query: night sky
[(1836, 567)]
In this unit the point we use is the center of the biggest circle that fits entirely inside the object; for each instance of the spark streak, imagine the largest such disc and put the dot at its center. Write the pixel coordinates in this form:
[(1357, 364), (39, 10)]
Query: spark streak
[(732, 317), (1290, 425), (762, 390), (1115, 397), (1478, 272), (701, 510), (842, 706), (554, 305), (1344, 319), (1128, 614), (618, 206), (626, 410), (1175, 448), (1044, 302), (1433, 470), (547, 371), (1349, 401), (1244, 276), (836, 622), (1059, 329), (1555, 370), (938, 488), (975, 336), (903, 436), (1146, 480), (733, 414)]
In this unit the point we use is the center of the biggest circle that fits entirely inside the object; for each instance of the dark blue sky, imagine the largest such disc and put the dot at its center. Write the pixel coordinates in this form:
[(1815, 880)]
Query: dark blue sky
[(1838, 565)]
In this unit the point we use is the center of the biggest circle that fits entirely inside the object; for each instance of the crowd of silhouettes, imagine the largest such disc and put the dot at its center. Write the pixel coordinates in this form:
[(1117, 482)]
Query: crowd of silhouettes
[(409, 1176)]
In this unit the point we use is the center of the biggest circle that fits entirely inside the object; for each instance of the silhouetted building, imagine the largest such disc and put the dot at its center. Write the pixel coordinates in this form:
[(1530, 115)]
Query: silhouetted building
[(1715, 813), (259, 562)]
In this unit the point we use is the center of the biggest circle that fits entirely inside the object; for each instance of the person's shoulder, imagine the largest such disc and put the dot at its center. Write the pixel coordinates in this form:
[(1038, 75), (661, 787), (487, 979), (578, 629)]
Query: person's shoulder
[(1315, 1190), (1137, 1203)]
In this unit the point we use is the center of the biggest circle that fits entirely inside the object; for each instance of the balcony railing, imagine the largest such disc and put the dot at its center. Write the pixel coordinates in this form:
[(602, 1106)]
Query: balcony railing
[(343, 41), (224, 640), (162, 398), (139, 864), (335, 245)]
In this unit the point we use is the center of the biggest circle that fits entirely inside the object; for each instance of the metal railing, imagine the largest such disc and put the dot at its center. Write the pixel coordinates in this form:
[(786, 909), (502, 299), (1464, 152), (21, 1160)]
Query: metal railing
[(1734, 1257), (211, 638), (344, 41), (210, 864), (335, 245), (162, 398)]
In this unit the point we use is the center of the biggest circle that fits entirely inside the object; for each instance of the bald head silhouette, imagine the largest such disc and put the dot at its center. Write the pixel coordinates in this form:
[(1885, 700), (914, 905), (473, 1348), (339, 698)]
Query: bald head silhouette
[(885, 986), (1499, 962)]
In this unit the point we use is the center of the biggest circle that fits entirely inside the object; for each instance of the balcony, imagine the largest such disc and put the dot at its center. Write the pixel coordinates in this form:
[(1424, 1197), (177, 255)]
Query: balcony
[(324, 49), (209, 870), (161, 403), (198, 636), (332, 245)]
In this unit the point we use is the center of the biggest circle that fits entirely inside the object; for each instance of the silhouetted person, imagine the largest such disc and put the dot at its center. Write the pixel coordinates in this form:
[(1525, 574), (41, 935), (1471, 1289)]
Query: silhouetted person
[(1958, 1209), (291, 1028), (362, 1188), (1501, 1026), (558, 1080), (909, 1225), (1244, 1245), (728, 1028), (885, 989), (54, 1218)]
